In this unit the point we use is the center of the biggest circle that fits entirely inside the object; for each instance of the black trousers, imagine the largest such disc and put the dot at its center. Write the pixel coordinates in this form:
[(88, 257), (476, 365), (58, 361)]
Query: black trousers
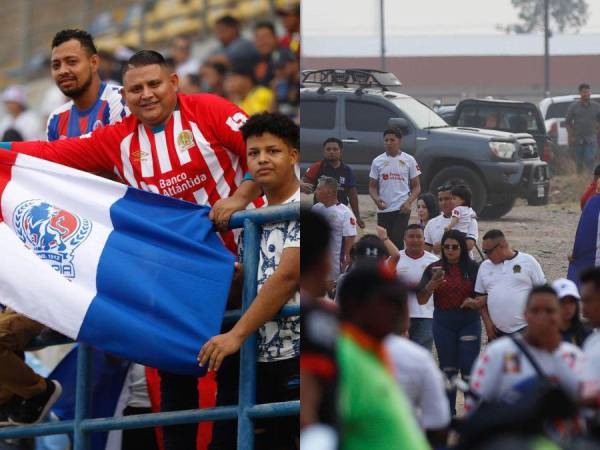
[(277, 381), (179, 392), (139, 438), (395, 223)]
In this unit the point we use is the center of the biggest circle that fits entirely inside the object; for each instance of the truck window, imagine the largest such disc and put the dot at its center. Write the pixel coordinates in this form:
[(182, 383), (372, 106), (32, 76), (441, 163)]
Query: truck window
[(318, 114), (361, 116)]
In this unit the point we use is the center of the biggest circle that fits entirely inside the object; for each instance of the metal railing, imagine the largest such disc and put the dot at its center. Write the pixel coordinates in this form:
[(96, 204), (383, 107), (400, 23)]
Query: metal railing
[(245, 411)]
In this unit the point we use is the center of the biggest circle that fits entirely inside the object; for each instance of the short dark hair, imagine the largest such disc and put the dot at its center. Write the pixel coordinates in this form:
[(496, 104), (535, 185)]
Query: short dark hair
[(145, 58), (335, 140), (316, 233), (393, 131), (413, 226), (591, 275), (463, 192), (444, 188), (493, 234), (541, 289), (277, 124), (228, 21), (583, 86), (220, 68), (85, 39), (597, 171), (367, 280), (265, 24)]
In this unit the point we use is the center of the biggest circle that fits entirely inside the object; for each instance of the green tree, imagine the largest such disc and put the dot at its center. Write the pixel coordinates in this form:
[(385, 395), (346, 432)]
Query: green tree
[(564, 15)]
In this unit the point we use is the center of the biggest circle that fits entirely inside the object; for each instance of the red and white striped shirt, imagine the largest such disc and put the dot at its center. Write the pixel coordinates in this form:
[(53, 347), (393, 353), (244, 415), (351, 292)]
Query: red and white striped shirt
[(199, 155)]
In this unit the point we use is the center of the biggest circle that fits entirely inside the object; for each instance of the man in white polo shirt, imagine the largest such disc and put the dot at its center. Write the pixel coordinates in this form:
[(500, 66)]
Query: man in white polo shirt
[(342, 222), (434, 230), (506, 278), (413, 261), (394, 186)]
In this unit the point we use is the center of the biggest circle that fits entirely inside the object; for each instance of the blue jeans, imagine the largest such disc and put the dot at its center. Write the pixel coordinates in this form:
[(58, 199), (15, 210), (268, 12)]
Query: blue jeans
[(585, 156), (457, 335), (421, 332)]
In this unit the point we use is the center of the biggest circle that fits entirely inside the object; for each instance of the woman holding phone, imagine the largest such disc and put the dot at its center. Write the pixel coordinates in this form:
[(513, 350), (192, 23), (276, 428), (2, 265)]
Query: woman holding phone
[(456, 320)]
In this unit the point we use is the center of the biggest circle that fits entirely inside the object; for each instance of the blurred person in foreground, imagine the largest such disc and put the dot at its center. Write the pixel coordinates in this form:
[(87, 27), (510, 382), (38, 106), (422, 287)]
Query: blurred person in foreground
[(572, 328), (590, 373), (319, 325), (272, 141), (19, 123), (373, 411)]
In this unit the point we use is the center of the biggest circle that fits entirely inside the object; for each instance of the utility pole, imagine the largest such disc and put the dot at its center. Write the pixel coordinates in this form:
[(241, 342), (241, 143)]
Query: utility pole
[(546, 49), (382, 34)]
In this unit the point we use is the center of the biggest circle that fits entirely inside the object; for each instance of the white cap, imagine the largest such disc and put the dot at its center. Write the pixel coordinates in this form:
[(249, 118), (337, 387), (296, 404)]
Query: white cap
[(564, 288), (15, 94)]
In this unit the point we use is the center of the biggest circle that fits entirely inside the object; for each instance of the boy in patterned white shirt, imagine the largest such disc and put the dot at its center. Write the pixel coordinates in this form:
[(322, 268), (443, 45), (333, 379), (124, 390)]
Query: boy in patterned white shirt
[(272, 149), (462, 213)]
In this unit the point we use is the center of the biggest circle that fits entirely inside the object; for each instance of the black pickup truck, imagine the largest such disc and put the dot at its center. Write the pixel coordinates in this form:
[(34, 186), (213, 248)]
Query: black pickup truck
[(356, 105)]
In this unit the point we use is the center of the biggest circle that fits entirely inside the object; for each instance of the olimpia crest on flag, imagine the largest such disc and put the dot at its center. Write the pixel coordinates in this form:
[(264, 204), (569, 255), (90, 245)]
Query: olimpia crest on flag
[(53, 234)]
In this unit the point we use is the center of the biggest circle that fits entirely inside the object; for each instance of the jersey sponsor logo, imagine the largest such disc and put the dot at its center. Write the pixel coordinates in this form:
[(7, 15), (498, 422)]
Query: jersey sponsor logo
[(352, 221), (516, 268), (392, 176), (176, 185), (53, 234), (236, 121), (139, 155), (185, 140), (511, 363)]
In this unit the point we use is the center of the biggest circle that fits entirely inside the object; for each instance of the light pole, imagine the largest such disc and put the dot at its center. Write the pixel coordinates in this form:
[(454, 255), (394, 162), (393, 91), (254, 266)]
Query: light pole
[(382, 34), (546, 49)]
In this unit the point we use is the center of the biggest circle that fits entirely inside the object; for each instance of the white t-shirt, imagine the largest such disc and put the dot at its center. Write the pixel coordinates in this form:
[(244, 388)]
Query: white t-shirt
[(423, 383), (465, 216), (503, 373), (507, 285), (393, 175), (278, 339), (434, 230), (410, 271), (343, 224)]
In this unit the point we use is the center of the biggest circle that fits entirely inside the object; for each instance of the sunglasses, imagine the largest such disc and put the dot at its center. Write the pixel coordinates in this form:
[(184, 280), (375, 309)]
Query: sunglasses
[(451, 246), (488, 251)]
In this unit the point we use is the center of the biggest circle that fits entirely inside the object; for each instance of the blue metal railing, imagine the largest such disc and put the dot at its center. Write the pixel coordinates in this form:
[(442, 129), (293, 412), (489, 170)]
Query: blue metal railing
[(245, 411)]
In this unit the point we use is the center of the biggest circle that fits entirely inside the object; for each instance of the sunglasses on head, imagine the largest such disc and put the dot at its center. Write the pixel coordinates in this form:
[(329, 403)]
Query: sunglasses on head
[(451, 246)]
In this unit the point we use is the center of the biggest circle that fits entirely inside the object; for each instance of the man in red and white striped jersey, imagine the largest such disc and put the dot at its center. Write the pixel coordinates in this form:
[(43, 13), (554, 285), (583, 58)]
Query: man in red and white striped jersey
[(184, 146)]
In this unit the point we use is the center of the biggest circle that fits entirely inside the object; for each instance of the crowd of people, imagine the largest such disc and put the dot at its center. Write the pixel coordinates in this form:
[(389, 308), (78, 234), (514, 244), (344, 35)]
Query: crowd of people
[(518, 345), (230, 122)]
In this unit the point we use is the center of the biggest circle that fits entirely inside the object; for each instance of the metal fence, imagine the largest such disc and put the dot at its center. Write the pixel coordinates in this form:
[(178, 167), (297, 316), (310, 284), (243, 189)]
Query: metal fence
[(245, 411)]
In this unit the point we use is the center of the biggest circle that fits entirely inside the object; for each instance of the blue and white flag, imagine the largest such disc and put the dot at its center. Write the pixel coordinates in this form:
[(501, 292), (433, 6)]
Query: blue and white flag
[(133, 273), (586, 248)]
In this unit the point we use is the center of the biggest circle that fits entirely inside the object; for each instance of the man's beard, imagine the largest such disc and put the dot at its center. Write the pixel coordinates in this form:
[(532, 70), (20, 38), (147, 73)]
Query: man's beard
[(77, 91)]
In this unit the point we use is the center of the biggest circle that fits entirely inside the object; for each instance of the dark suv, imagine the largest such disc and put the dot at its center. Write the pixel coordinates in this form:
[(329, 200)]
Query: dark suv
[(356, 105)]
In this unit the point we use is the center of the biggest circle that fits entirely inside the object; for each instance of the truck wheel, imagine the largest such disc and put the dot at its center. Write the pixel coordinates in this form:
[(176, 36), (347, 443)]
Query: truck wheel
[(497, 210), (462, 175)]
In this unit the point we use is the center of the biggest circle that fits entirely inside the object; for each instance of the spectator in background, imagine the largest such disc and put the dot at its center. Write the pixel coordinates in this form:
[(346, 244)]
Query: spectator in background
[(374, 412), (181, 53), (286, 84), (456, 321), (109, 69), (212, 78), (241, 89), (582, 121), (235, 50), (413, 262), (427, 208), (572, 329), (290, 18), (265, 40), (342, 222), (592, 189), (332, 166), (503, 284), (190, 84), (20, 123), (394, 185)]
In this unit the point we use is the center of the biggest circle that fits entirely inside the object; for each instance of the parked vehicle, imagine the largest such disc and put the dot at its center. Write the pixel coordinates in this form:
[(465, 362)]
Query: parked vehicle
[(356, 105)]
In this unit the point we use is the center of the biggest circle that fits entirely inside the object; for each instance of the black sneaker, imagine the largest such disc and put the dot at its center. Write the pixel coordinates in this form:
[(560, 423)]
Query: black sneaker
[(34, 409)]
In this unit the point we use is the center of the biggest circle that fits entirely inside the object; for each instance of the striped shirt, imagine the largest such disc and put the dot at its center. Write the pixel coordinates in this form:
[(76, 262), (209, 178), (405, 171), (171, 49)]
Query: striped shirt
[(199, 155), (68, 121)]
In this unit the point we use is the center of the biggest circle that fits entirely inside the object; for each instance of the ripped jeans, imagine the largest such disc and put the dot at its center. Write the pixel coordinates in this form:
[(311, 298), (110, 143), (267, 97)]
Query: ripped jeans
[(457, 336)]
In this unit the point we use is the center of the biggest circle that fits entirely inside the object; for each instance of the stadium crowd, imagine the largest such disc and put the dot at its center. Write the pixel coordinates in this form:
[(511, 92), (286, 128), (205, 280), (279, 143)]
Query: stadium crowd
[(375, 307), (189, 115)]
